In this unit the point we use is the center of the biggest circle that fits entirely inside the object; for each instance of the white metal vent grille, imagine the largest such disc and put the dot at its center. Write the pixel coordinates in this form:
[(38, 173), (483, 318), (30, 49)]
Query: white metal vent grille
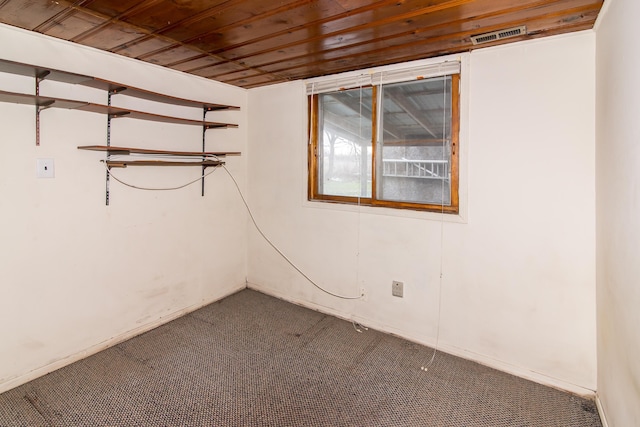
[(499, 35)]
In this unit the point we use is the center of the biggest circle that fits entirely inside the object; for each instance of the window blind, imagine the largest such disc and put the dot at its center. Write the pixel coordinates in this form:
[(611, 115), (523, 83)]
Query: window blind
[(332, 84)]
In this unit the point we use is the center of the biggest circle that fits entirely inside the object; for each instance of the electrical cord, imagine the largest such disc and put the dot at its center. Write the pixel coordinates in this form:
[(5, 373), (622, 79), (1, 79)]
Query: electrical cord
[(291, 263), (155, 188), (435, 348), (253, 220)]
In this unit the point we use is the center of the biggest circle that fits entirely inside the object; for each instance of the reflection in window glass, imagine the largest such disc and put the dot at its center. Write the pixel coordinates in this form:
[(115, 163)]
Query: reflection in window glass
[(346, 154), (389, 144), (415, 142)]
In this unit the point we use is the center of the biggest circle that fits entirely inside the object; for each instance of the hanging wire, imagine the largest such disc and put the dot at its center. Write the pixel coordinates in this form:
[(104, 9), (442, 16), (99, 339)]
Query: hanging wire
[(137, 187), (362, 153), (444, 134), (253, 220), (291, 263)]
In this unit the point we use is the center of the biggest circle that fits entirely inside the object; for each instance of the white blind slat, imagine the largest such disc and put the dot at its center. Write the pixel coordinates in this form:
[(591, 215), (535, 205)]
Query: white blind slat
[(383, 77), (335, 84), (414, 73)]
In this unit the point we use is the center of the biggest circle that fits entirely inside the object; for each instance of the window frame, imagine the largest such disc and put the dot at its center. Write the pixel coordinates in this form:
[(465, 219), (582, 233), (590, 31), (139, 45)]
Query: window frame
[(313, 163)]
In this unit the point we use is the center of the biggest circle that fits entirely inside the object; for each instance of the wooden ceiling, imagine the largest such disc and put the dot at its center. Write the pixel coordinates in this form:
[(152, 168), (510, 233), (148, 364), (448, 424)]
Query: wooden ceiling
[(250, 43)]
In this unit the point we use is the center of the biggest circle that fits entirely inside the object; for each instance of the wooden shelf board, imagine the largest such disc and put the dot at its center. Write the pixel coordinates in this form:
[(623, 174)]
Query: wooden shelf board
[(43, 101), (23, 98), (33, 71), (132, 150), (153, 96), (125, 163), (117, 112), (73, 78)]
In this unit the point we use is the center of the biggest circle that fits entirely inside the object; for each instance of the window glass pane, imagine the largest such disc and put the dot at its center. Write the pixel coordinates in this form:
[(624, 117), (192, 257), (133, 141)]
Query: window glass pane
[(344, 149), (414, 146)]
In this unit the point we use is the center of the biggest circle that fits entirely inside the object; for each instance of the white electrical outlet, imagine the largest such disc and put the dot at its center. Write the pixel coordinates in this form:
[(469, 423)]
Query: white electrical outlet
[(45, 168), (397, 289)]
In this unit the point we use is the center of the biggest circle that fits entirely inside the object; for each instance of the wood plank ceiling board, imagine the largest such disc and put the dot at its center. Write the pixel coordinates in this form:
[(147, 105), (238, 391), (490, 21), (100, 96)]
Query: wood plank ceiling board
[(28, 15), (394, 50), (435, 24), (195, 64), (252, 43), (389, 38)]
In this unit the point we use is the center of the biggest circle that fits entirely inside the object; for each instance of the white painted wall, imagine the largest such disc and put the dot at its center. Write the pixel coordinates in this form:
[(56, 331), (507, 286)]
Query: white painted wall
[(76, 275), (618, 211), (518, 286)]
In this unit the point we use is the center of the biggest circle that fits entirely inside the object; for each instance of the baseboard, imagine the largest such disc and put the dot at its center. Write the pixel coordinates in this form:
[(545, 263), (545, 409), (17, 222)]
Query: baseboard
[(60, 363), (603, 418), (527, 374), (444, 347)]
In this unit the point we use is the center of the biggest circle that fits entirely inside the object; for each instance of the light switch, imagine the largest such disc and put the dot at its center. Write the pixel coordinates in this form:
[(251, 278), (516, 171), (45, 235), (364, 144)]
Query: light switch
[(45, 168)]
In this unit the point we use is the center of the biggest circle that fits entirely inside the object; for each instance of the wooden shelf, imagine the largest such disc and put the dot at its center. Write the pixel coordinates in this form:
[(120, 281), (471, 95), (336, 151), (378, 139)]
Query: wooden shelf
[(131, 150), (114, 112), (125, 163), (40, 101), (112, 87), (203, 159)]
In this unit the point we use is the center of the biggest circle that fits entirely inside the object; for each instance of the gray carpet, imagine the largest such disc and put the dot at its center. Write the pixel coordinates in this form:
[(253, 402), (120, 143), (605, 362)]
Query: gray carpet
[(254, 360)]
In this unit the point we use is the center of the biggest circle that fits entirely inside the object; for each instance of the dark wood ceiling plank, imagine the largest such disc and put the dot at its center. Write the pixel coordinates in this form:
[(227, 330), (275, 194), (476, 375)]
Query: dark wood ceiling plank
[(442, 47), (148, 45), (247, 13), (308, 26), (279, 43), (451, 43), (364, 15), (212, 10), (481, 23), (115, 8), (174, 18), (168, 56), (350, 51), (211, 39), (205, 34), (71, 8), (110, 35), (251, 43), (284, 45), (128, 28), (226, 68), (134, 8), (72, 25), (27, 14), (199, 62), (260, 80)]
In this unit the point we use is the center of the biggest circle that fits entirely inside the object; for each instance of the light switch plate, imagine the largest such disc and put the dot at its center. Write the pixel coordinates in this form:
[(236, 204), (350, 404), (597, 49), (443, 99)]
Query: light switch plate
[(45, 168), (397, 289)]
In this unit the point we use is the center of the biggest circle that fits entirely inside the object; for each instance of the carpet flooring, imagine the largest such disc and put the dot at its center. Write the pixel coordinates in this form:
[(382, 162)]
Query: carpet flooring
[(254, 360)]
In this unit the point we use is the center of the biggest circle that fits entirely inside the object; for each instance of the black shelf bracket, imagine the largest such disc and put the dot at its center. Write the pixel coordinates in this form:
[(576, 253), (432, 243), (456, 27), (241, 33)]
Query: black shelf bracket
[(108, 169), (39, 76), (204, 133)]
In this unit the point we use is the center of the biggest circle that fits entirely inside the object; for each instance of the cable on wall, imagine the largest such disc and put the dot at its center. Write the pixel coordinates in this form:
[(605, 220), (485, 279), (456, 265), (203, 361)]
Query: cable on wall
[(444, 134), (253, 220), (291, 263), (363, 152), (137, 187), (356, 326)]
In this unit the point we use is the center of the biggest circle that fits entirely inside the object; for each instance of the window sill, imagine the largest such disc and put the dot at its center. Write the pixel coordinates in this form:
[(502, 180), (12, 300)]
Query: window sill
[(459, 218)]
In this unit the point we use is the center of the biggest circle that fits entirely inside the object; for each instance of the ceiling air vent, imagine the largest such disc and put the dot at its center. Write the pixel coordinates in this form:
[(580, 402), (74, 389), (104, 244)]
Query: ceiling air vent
[(499, 35)]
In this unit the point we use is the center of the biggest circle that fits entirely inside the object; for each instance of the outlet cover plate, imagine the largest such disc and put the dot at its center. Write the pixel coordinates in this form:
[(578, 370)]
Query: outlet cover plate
[(397, 289), (45, 168)]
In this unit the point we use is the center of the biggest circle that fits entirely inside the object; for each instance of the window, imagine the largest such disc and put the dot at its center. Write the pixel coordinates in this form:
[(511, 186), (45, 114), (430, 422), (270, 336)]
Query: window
[(386, 141)]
